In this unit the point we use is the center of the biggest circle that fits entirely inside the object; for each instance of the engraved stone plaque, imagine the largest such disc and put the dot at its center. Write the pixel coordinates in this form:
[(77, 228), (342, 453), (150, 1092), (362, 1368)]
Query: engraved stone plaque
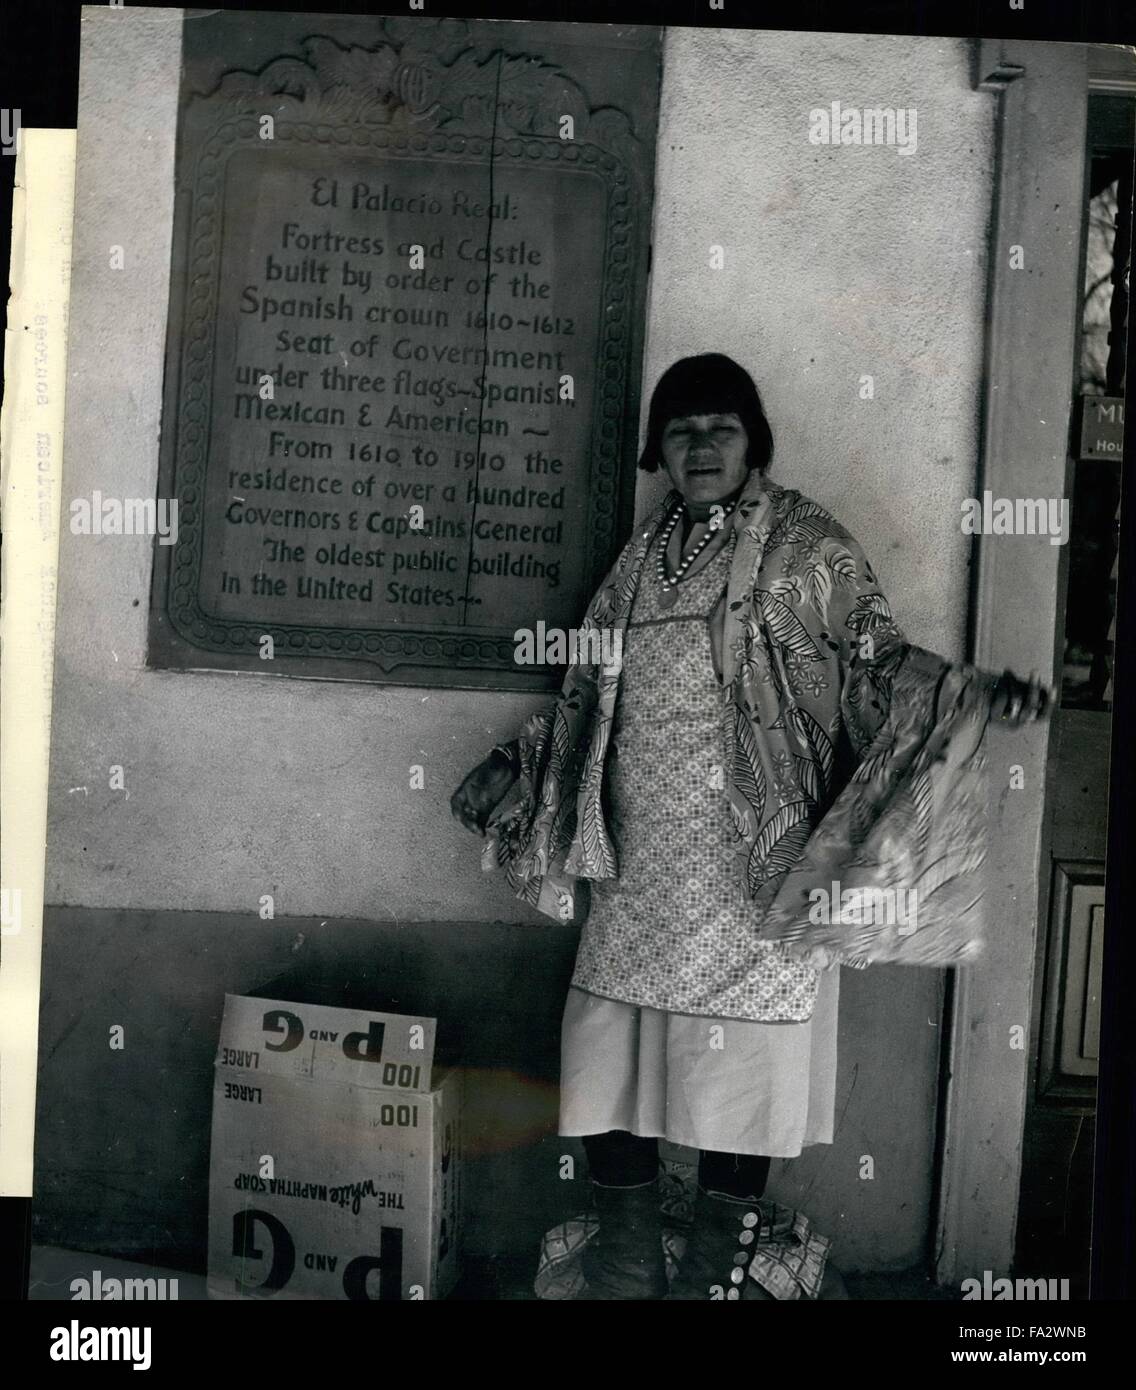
[(404, 348)]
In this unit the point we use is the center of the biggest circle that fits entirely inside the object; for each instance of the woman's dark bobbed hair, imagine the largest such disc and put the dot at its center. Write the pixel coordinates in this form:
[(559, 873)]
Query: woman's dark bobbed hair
[(709, 384)]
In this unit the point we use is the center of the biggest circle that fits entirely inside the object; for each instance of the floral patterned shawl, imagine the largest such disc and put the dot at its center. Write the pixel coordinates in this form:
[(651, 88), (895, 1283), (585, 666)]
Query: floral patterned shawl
[(811, 737)]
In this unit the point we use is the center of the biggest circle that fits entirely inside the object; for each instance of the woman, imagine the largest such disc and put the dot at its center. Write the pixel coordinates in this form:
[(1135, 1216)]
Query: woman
[(685, 782)]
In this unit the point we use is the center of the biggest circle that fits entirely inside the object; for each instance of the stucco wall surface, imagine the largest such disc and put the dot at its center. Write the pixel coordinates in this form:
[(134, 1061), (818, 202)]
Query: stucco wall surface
[(839, 262)]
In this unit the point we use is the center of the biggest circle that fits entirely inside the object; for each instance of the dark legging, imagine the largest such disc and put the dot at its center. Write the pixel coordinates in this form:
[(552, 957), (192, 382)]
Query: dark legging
[(620, 1159)]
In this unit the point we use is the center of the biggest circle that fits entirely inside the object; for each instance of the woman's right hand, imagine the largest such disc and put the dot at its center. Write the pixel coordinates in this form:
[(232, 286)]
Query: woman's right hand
[(1014, 702), (483, 788)]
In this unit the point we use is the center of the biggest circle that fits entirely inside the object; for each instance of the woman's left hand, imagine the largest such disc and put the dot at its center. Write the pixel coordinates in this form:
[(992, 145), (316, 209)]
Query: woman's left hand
[(1014, 702)]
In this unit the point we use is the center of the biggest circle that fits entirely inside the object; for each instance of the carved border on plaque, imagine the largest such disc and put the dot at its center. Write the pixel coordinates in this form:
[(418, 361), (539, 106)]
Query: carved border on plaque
[(405, 103)]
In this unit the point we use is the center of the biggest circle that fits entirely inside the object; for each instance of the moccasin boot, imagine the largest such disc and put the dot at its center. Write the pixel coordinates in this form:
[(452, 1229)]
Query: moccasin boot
[(718, 1252), (624, 1259)]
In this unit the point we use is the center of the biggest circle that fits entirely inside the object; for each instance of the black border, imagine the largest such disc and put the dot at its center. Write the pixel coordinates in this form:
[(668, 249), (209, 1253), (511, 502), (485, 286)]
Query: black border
[(39, 61)]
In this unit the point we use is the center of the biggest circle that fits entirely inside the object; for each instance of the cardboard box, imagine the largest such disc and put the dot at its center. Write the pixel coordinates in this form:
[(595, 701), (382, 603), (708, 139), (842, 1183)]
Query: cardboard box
[(335, 1166)]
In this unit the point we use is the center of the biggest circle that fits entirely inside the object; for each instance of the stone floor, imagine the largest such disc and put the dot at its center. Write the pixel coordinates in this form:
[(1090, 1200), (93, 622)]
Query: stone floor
[(512, 1279), (503, 1278)]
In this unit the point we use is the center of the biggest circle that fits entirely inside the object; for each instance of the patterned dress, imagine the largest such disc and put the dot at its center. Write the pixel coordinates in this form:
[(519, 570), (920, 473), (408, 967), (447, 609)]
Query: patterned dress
[(674, 930), (638, 1052)]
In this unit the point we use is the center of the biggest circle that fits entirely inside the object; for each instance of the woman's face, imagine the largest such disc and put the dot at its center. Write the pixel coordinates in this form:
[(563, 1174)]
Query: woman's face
[(705, 456)]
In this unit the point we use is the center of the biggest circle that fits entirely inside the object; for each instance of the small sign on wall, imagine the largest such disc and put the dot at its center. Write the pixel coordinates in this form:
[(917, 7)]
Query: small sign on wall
[(1102, 427)]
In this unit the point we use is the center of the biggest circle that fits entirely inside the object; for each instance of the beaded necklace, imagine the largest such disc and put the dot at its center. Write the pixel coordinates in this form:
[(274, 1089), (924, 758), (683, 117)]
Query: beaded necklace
[(670, 583)]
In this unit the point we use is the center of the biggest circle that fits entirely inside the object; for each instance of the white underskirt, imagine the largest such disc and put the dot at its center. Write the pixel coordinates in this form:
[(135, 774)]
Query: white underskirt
[(750, 1088)]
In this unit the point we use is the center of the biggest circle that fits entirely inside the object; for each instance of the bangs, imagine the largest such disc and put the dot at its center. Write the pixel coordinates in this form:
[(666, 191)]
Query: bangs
[(710, 384), (707, 402)]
